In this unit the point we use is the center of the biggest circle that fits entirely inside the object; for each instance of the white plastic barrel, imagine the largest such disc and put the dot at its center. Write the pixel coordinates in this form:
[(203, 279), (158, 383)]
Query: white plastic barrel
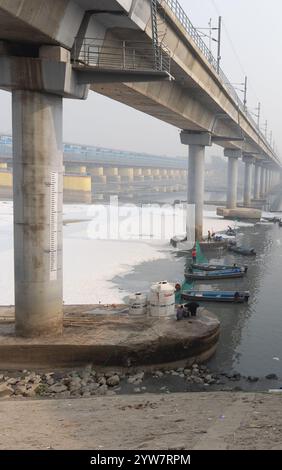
[(138, 304), (162, 299)]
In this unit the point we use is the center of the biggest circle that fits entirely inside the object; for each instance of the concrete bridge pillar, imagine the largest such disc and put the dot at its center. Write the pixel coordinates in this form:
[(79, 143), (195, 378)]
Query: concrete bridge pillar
[(257, 182), (38, 191), (269, 180), (147, 173), (37, 95), (196, 174), (262, 182), (248, 160), (126, 174), (138, 175), (232, 176), (266, 181)]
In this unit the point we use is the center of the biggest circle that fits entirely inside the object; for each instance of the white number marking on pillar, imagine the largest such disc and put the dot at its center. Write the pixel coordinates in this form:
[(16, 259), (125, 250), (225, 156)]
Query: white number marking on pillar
[(54, 226)]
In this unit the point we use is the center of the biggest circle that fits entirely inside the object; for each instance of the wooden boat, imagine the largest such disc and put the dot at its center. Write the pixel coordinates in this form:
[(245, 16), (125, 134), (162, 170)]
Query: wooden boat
[(230, 232), (275, 220), (242, 251), (210, 275), (216, 296), (217, 267)]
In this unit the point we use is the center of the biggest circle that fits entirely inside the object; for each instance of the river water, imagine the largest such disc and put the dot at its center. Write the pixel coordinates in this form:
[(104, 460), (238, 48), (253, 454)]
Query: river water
[(251, 333)]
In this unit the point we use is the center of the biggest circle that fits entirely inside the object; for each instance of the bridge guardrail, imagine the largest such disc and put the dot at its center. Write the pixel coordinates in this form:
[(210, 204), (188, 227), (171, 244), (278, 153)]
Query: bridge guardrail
[(121, 55)]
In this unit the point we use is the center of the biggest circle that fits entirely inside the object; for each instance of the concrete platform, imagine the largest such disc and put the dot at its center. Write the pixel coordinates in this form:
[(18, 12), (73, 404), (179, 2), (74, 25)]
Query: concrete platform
[(239, 213), (107, 336)]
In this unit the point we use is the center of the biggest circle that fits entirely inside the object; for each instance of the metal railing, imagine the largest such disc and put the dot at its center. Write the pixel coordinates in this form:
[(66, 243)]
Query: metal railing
[(121, 55), (180, 14)]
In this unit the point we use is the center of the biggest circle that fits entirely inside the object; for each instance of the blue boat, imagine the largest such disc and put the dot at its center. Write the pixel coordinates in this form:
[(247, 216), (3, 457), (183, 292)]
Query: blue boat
[(216, 296), (216, 267), (210, 275)]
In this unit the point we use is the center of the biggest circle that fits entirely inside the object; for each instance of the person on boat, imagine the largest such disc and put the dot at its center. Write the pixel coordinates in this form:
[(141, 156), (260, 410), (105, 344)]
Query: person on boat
[(179, 312), (236, 296), (177, 287), (209, 236), (191, 308), (194, 254)]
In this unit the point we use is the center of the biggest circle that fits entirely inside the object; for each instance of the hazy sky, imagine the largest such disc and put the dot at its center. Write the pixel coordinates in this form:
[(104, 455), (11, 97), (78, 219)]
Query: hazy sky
[(254, 27)]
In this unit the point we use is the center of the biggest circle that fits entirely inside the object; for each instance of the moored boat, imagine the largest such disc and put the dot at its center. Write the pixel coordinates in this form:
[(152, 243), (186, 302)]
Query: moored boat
[(216, 296), (210, 275), (217, 267), (242, 251)]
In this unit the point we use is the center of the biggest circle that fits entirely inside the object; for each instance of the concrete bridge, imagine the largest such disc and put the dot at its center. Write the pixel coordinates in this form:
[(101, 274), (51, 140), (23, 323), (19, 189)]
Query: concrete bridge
[(143, 53)]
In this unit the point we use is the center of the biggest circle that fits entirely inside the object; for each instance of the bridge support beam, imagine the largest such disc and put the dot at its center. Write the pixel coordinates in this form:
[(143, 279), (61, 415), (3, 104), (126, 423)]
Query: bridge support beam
[(37, 95), (257, 182), (196, 174), (248, 160), (232, 176)]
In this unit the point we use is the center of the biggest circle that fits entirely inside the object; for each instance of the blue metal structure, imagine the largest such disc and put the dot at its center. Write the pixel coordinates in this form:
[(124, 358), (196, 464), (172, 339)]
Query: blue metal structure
[(87, 154)]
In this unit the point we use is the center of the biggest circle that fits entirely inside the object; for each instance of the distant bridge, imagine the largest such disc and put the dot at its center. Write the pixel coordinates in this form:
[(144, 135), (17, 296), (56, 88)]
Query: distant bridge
[(93, 155)]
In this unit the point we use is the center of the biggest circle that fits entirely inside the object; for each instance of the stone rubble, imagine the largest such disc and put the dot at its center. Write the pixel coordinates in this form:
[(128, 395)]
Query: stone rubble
[(88, 382)]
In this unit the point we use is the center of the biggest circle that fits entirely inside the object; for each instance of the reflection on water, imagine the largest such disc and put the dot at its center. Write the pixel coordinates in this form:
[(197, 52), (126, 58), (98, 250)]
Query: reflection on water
[(251, 334)]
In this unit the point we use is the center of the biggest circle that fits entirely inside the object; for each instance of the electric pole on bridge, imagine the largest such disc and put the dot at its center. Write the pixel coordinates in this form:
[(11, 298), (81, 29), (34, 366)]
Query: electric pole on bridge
[(219, 43)]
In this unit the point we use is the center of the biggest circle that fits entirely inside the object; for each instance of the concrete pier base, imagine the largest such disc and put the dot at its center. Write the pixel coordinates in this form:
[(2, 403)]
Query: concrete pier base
[(239, 213), (108, 336)]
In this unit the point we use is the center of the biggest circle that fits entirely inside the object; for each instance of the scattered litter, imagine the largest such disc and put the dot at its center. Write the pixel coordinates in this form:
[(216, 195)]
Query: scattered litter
[(276, 358), (275, 390), (222, 417)]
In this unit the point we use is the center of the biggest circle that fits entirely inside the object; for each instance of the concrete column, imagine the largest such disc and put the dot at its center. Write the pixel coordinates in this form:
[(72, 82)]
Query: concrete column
[(126, 174), (38, 191), (269, 180), (266, 181), (262, 182), (248, 160), (232, 177), (257, 182), (196, 175)]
